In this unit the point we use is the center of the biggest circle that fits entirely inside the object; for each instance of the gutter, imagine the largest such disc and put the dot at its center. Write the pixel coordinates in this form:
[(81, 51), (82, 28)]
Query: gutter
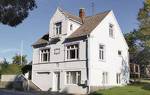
[(87, 64)]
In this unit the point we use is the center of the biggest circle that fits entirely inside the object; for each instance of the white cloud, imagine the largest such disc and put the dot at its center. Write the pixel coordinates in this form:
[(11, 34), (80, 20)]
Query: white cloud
[(9, 50)]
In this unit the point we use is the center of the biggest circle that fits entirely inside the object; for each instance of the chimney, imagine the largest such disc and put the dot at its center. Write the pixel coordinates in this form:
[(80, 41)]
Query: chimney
[(82, 14)]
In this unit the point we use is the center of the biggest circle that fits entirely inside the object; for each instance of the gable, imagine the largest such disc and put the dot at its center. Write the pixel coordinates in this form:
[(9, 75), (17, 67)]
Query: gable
[(89, 24), (102, 31)]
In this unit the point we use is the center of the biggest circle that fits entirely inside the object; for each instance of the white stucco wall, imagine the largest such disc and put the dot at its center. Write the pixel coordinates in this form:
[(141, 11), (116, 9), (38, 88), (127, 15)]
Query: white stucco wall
[(113, 62), (59, 62)]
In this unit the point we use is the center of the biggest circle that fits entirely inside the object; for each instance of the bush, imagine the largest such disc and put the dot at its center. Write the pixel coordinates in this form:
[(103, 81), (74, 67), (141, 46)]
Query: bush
[(8, 69)]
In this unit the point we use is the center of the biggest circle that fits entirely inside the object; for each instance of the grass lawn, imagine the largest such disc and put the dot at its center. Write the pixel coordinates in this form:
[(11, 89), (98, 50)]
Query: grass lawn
[(134, 89)]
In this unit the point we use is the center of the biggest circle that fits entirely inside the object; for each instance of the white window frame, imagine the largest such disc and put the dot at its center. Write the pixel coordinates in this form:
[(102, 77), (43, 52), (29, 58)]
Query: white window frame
[(71, 27), (42, 52), (69, 48), (59, 31), (69, 78), (111, 30), (102, 52), (105, 78), (118, 78)]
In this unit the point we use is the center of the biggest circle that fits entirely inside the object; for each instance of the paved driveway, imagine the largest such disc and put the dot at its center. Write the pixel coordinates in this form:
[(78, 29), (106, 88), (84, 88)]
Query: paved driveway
[(11, 92)]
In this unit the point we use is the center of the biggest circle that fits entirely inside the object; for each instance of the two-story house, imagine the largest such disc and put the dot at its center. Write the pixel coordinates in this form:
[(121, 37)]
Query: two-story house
[(80, 54)]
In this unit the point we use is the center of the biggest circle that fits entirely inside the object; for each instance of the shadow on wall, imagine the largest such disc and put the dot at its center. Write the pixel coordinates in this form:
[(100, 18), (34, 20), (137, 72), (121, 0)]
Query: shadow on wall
[(125, 71)]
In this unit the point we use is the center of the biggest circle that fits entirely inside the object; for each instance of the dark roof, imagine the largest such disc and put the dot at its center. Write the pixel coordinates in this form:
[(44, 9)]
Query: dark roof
[(43, 40), (89, 24), (71, 16), (54, 40), (86, 28)]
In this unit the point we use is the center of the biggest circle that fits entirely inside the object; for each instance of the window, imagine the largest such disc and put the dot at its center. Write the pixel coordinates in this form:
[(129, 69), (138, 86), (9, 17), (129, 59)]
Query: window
[(45, 55), (111, 30), (118, 78), (136, 68), (101, 52), (73, 51), (71, 27), (58, 28), (73, 77), (119, 52), (105, 78), (57, 51)]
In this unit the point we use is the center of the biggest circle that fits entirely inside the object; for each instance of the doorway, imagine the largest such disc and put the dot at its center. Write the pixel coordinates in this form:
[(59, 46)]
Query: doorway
[(56, 80)]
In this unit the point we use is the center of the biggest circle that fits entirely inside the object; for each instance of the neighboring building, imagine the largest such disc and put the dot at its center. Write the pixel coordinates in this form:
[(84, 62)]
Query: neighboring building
[(80, 54), (134, 71)]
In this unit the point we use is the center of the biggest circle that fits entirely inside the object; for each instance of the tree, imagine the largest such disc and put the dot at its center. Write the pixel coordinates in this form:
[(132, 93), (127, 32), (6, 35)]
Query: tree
[(13, 12), (5, 61), (139, 40), (144, 18), (17, 59), (26, 68)]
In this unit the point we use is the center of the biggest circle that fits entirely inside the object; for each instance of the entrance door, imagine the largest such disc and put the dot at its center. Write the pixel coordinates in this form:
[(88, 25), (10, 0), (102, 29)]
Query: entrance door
[(56, 81)]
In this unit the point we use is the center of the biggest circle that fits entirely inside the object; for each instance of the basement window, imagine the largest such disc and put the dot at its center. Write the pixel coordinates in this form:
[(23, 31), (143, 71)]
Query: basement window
[(118, 78), (73, 77), (105, 78)]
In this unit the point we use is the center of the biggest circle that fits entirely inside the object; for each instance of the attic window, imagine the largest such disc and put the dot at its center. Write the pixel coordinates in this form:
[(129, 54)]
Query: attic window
[(58, 28), (111, 30), (71, 27)]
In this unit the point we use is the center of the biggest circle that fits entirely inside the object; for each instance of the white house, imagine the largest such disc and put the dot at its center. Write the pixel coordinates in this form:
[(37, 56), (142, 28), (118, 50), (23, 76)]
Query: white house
[(80, 54)]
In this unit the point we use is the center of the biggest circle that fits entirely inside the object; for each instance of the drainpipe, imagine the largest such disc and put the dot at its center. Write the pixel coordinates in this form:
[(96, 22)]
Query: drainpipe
[(87, 63)]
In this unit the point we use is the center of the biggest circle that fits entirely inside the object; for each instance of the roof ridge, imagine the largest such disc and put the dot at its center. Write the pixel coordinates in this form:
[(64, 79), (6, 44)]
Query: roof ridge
[(99, 13)]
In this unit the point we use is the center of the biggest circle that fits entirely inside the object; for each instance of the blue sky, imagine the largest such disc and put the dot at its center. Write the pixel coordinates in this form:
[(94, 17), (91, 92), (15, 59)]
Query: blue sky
[(37, 22)]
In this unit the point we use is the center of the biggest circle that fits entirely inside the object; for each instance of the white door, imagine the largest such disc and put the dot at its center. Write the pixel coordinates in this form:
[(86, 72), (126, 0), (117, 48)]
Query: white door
[(56, 84)]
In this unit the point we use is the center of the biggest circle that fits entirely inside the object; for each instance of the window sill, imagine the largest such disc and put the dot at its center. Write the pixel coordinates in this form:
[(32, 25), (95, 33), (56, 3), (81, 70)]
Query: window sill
[(43, 62), (72, 59), (102, 60), (71, 84)]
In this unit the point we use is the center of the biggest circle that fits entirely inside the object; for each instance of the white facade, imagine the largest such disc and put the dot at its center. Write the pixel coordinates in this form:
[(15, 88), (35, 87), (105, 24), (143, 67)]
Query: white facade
[(90, 71)]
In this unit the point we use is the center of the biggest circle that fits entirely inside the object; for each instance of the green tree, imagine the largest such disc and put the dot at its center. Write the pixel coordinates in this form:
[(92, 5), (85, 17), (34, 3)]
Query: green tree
[(144, 18), (10, 69), (17, 59), (5, 61), (13, 12)]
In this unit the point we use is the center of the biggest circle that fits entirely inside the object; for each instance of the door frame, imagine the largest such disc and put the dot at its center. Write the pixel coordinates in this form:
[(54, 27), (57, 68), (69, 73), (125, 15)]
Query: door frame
[(56, 86)]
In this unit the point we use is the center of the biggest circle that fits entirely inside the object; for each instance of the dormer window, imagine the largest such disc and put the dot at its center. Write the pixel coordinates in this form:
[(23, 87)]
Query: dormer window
[(111, 30), (58, 28)]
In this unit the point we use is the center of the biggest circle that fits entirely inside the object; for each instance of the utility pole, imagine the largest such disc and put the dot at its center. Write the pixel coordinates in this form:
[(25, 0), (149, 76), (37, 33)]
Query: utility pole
[(93, 7), (21, 50)]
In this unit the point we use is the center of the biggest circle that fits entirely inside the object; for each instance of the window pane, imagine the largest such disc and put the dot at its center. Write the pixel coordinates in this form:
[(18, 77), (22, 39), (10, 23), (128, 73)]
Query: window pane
[(72, 54), (58, 28), (101, 52), (73, 77), (45, 55)]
